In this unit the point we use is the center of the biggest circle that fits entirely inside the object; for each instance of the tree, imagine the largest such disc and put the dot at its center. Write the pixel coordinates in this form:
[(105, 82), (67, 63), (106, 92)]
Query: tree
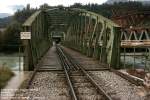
[(44, 6), (21, 16), (77, 5), (12, 33), (28, 7)]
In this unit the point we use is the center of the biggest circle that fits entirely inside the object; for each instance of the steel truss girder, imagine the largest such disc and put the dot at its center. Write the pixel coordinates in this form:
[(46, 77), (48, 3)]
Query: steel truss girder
[(39, 43), (87, 32), (92, 39)]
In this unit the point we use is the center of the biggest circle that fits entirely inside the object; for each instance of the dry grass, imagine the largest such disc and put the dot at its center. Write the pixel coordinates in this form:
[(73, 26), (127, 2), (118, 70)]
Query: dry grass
[(5, 75)]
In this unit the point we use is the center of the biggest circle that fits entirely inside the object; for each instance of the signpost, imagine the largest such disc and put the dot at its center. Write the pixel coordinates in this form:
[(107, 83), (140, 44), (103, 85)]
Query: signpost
[(23, 36)]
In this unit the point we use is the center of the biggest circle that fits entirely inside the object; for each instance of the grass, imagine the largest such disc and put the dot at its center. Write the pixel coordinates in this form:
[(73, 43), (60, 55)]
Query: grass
[(5, 76)]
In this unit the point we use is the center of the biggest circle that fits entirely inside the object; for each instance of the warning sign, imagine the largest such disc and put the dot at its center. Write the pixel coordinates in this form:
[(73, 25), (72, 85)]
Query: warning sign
[(25, 35)]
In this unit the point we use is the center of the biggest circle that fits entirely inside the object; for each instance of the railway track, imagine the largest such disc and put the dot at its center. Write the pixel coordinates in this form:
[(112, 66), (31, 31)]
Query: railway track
[(110, 80), (106, 67), (48, 79), (78, 83), (82, 85)]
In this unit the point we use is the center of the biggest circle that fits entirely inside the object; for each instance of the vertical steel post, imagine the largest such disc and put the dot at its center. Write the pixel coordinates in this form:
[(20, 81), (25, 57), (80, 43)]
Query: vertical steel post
[(124, 65), (134, 59), (101, 53), (145, 60), (19, 59)]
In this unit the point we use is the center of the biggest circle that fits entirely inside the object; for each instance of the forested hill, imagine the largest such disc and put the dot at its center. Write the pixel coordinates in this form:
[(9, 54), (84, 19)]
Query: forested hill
[(113, 1), (11, 34), (145, 2), (13, 26), (109, 10)]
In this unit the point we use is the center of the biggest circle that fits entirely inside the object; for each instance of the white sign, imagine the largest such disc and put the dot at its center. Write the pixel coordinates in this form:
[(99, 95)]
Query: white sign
[(25, 35)]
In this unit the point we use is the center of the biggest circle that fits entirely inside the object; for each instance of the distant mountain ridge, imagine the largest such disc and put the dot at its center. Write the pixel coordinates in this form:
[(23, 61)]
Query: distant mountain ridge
[(4, 22), (113, 1), (3, 15), (145, 2)]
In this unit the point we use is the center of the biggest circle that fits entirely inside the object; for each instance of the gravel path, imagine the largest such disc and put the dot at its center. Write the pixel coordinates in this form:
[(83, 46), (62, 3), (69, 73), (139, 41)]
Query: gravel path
[(118, 87), (47, 86), (50, 61)]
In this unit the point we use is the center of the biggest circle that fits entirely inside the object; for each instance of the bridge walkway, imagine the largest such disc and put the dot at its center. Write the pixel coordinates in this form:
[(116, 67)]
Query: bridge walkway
[(50, 61)]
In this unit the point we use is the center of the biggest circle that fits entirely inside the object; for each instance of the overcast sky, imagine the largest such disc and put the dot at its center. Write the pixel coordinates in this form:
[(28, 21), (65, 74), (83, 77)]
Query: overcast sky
[(9, 6)]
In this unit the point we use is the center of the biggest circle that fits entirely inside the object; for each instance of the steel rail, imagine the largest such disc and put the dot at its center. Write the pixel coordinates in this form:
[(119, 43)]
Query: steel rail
[(64, 64), (76, 64), (93, 81), (129, 78)]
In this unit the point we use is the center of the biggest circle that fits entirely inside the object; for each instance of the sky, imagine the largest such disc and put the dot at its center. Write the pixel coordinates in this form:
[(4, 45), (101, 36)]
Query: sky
[(10, 6)]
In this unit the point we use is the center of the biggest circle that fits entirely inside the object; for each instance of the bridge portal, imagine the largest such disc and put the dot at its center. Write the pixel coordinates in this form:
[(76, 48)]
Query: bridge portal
[(84, 31)]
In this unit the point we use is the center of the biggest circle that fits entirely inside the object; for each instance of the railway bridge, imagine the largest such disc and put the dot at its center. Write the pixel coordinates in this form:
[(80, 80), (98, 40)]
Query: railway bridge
[(81, 30), (73, 54)]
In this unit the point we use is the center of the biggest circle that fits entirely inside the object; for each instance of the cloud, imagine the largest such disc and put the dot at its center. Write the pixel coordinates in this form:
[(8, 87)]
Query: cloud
[(9, 6), (16, 7)]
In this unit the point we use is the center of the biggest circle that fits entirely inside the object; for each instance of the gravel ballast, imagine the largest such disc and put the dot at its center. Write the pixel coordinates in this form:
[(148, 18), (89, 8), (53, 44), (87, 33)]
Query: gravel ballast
[(47, 86), (116, 86)]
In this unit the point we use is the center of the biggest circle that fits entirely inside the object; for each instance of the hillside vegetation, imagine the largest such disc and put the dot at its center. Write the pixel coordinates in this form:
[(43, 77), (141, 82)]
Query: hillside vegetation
[(12, 33), (5, 75), (10, 38)]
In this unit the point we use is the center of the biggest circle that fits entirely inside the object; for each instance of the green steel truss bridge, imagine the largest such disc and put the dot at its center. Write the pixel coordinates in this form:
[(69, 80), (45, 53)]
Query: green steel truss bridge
[(79, 29)]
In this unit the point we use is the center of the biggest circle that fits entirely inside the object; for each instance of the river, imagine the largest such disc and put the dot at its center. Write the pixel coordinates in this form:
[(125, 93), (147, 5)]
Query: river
[(139, 61), (11, 61)]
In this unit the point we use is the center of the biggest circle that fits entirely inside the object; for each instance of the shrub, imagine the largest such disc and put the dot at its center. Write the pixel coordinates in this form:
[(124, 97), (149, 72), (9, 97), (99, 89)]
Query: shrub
[(5, 75)]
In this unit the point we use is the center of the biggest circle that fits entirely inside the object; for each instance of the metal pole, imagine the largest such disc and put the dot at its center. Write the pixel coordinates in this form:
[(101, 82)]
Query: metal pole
[(145, 60), (101, 54), (124, 58), (142, 55), (134, 59), (19, 60)]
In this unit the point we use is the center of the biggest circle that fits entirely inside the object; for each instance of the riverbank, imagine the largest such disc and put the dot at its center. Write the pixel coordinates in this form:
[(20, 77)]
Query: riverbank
[(5, 75), (15, 84)]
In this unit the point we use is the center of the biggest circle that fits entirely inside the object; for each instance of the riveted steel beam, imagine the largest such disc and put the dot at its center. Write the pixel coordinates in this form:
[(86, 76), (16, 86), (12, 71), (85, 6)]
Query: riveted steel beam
[(85, 31)]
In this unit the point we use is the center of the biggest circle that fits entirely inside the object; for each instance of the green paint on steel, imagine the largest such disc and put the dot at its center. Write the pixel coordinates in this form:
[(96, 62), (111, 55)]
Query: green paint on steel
[(84, 31), (31, 19)]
